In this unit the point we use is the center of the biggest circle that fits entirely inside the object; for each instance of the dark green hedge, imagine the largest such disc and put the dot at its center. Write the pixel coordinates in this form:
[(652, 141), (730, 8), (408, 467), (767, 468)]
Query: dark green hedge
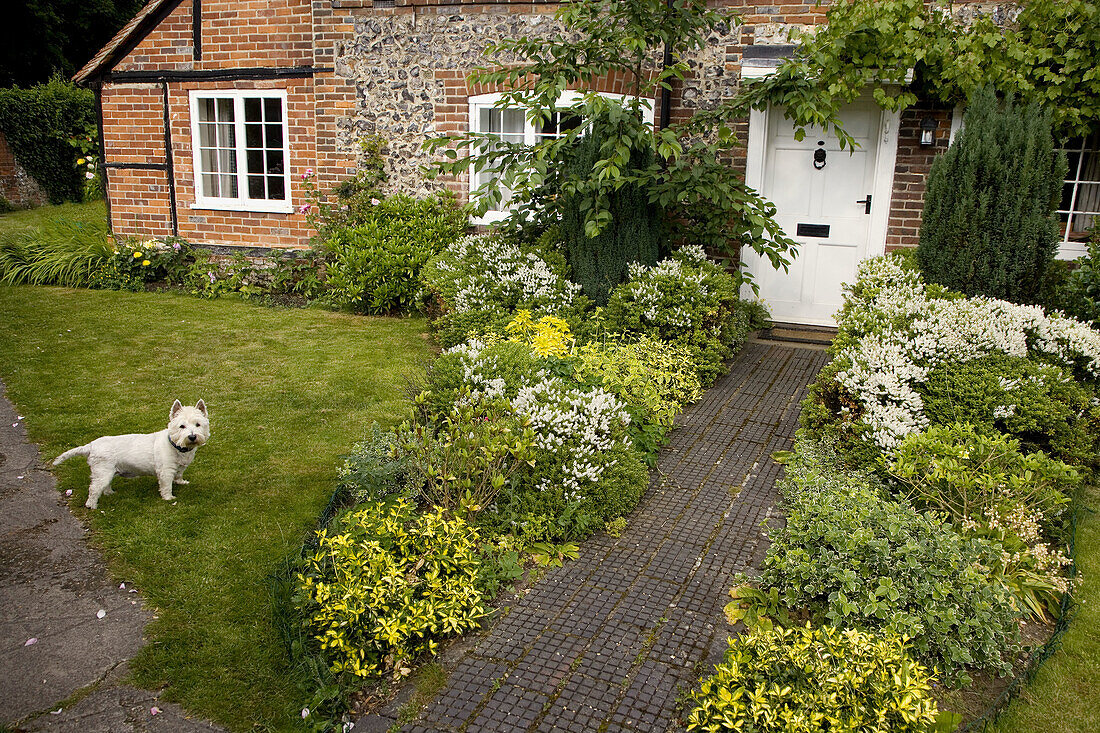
[(38, 123)]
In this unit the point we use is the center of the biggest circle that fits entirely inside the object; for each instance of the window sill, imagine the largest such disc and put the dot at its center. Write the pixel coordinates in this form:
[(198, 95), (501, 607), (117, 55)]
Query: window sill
[(254, 207)]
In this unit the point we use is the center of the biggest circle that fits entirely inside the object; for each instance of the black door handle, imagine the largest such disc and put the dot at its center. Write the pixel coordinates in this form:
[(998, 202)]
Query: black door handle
[(867, 201)]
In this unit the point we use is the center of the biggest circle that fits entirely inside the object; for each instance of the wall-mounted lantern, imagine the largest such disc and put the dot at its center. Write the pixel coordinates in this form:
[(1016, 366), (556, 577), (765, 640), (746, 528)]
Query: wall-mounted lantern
[(927, 131)]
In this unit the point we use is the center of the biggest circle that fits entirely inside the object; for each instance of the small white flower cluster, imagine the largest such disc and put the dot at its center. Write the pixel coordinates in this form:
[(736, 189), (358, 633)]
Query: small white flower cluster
[(493, 272), (665, 293), (476, 368), (908, 333), (576, 427)]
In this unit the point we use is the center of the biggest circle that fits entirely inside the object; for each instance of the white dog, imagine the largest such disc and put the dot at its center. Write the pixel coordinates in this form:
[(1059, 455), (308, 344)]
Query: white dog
[(164, 454)]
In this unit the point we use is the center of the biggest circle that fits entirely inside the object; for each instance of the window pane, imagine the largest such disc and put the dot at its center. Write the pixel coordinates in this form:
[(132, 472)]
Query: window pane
[(225, 110), (255, 161), (253, 136), (252, 110), (273, 110), (274, 161), (256, 187), (210, 185), (275, 188), (206, 110), (207, 135), (229, 186), (226, 136), (274, 136)]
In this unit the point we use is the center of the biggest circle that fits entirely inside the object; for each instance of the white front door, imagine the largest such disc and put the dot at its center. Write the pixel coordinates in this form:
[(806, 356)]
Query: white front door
[(834, 203)]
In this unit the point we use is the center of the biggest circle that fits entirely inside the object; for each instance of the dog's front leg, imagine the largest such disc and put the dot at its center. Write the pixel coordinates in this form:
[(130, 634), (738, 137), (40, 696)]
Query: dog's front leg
[(180, 480), (164, 481)]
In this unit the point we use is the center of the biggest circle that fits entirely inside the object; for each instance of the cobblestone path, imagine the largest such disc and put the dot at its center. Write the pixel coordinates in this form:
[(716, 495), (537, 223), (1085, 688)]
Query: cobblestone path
[(612, 640)]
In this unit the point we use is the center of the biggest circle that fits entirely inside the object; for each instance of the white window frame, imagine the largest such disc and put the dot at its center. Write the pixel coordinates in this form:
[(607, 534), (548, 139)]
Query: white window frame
[(1070, 248), (530, 136), (241, 202)]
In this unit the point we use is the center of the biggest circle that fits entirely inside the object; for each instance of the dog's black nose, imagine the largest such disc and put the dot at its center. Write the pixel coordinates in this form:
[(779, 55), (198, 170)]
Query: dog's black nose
[(191, 438)]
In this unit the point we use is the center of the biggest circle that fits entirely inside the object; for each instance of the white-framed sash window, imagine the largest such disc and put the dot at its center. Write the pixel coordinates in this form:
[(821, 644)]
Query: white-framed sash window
[(488, 115), (1079, 209), (241, 150)]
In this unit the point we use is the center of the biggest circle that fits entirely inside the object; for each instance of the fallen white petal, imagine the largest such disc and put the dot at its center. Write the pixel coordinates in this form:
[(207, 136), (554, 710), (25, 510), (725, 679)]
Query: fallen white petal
[(19, 477), (32, 640), (101, 613), (56, 712), (68, 492), (122, 586), (154, 710), (305, 713)]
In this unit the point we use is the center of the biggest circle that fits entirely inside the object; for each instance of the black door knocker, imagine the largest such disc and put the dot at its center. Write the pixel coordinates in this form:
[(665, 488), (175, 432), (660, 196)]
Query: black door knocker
[(819, 157)]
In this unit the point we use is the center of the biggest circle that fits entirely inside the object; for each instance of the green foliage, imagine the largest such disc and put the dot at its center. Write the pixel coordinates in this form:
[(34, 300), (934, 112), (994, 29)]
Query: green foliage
[(38, 123), (87, 165), (599, 263), (235, 277), (59, 251), (1076, 291), (538, 507), (514, 364), (989, 226), (702, 199), (374, 265), (655, 379), (854, 559), (134, 263), (1046, 56), (1038, 404), (806, 679), (373, 473), (687, 301), (468, 458), (980, 478), (384, 585), (987, 487), (479, 283)]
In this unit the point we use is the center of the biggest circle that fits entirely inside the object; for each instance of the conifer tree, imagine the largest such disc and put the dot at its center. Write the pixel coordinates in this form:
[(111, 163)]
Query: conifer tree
[(989, 226), (600, 263)]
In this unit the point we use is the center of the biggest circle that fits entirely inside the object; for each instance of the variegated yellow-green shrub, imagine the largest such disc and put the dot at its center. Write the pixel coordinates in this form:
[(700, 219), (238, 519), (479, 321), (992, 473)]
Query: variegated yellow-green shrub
[(807, 679), (384, 585)]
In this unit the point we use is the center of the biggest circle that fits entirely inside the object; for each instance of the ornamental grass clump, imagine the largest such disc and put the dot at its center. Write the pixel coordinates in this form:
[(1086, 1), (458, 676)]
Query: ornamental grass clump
[(383, 587), (808, 679)]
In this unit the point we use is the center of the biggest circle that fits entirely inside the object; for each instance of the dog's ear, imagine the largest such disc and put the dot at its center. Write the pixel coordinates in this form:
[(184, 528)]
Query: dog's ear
[(201, 407), (176, 407)]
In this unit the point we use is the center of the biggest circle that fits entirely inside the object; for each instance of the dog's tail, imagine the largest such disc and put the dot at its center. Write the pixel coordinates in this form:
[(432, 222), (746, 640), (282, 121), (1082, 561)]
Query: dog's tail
[(81, 451)]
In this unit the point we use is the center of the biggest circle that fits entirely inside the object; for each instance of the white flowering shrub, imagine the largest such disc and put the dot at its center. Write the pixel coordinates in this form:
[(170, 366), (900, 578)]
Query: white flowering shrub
[(893, 331), (482, 279), (688, 301)]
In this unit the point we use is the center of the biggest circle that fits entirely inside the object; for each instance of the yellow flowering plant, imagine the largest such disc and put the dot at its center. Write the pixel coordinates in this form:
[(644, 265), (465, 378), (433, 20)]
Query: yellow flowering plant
[(548, 336)]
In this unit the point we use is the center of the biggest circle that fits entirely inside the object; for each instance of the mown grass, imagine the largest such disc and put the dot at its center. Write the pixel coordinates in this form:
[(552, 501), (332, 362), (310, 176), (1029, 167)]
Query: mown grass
[(289, 391), (1065, 694)]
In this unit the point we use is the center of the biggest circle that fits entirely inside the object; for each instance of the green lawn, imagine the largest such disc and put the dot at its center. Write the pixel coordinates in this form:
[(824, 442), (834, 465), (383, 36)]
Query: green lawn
[(289, 391), (1065, 694), (14, 222)]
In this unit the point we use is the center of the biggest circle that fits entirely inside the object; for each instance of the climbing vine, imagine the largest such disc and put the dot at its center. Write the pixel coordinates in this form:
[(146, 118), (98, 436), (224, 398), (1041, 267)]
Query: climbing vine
[(1041, 51)]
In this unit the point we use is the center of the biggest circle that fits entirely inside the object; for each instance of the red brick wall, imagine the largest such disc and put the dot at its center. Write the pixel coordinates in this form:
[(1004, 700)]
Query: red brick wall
[(911, 172), (16, 185), (252, 34)]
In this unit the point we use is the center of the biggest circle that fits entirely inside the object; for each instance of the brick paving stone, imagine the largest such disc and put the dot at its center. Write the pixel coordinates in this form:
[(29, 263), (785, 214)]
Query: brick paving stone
[(610, 640)]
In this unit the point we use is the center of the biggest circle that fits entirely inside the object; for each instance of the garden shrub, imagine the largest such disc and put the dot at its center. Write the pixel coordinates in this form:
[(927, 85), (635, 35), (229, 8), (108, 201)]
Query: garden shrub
[(494, 369), (481, 281), (806, 679), (384, 585), (38, 123), (989, 226), (468, 457), (599, 263), (1039, 404), (990, 489), (1076, 291), (654, 378), (685, 300), (894, 332), (374, 266), (134, 263), (854, 559), (373, 473)]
